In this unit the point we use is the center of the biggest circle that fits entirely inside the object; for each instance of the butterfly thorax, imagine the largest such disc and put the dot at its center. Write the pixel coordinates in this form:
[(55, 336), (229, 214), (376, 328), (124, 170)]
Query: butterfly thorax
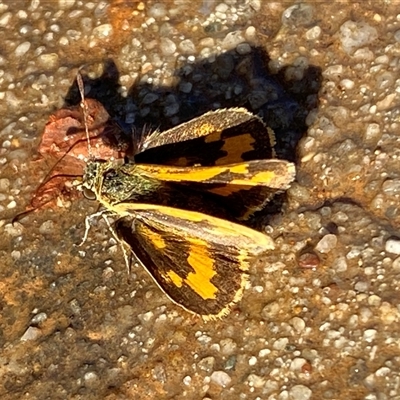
[(113, 183)]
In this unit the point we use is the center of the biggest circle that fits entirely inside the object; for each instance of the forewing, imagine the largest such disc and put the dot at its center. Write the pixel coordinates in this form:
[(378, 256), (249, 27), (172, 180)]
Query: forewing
[(224, 136)]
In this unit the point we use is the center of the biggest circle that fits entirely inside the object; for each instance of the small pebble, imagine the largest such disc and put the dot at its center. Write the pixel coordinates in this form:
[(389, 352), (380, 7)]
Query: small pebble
[(103, 31), (171, 109), (298, 15), (250, 33), (353, 253), (297, 364), (228, 346), (374, 300), (365, 314), (159, 373), (221, 378), (167, 46), (31, 333), (388, 313), (157, 11), (270, 310), (393, 246), (91, 379), (313, 33), (65, 4), (361, 287), (372, 134), (49, 61), (252, 361), (333, 71), (356, 34), (150, 98), (187, 380), (5, 19), (326, 244), (256, 381), (300, 392), (280, 343), (207, 364), (298, 324), (364, 55), (232, 40), (22, 49), (347, 83), (207, 42), (11, 205), (39, 318), (396, 265), (340, 264), (386, 103), (185, 87), (243, 48), (146, 317), (369, 335), (187, 47), (264, 352), (222, 8), (46, 228), (384, 371), (230, 363)]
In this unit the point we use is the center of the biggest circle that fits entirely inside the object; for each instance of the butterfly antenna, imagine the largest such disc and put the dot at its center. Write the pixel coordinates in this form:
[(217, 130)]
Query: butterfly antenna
[(84, 110)]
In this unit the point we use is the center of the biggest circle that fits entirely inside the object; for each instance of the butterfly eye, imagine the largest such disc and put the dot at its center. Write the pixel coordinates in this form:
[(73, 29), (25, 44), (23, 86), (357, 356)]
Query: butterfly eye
[(89, 194)]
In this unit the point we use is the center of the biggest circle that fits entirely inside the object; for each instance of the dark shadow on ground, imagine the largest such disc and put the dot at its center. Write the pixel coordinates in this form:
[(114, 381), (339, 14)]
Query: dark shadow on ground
[(282, 100)]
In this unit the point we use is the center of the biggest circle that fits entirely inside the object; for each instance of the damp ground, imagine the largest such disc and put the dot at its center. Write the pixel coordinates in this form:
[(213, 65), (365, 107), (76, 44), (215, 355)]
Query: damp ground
[(320, 317)]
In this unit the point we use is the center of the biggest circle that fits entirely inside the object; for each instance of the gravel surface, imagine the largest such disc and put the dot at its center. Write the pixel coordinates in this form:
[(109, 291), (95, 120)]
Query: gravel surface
[(320, 318)]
